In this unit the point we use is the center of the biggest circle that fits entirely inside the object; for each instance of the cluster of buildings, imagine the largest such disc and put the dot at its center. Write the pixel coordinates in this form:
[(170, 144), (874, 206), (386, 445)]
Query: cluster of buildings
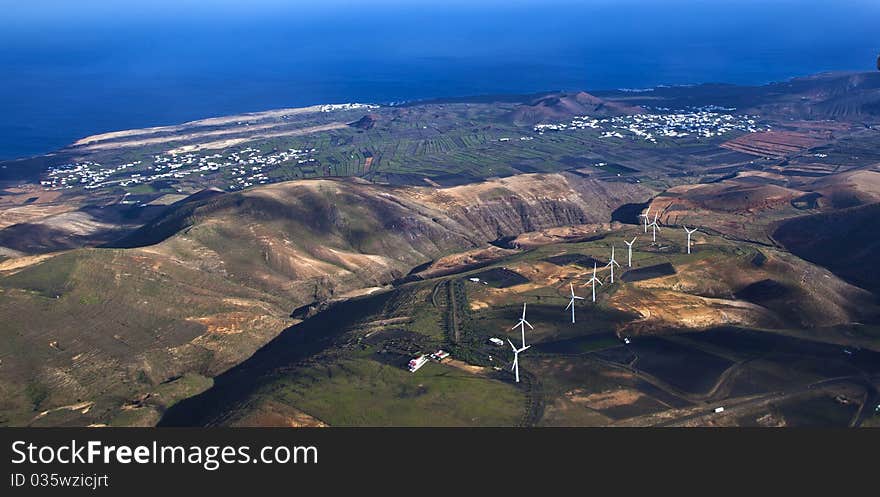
[(348, 106), (86, 174), (703, 122), (702, 108), (245, 168)]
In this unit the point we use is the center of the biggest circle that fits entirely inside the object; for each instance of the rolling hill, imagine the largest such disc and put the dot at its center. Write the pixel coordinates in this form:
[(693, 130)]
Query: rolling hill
[(561, 106), (217, 275), (845, 241)]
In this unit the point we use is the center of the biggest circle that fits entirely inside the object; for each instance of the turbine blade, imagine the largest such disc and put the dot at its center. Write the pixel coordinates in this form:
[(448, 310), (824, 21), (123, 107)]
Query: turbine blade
[(530, 325), (570, 303), (511, 344)]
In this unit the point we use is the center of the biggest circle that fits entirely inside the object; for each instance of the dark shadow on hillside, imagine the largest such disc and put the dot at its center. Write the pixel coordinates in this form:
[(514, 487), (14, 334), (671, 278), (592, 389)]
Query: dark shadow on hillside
[(175, 218), (647, 273), (40, 239), (292, 346), (846, 242), (629, 213)]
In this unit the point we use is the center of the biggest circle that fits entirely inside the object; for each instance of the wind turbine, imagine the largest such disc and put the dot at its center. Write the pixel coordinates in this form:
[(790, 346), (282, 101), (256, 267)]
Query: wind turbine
[(645, 215), (612, 263), (593, 281), (655, 227), (522, 324), (690, 232), (571, 302), (629, 249), (516, 352)]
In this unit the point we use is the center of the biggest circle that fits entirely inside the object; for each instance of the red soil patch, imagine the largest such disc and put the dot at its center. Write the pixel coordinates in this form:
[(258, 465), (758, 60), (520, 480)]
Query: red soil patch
[(775, 143)]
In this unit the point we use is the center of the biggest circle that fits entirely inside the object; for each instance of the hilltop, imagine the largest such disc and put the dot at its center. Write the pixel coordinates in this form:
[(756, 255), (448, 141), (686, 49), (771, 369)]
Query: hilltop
[(559, 106)]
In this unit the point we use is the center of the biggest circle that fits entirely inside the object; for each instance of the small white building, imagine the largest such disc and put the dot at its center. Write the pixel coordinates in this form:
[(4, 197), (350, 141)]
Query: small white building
[(417, 363), (440, 355)]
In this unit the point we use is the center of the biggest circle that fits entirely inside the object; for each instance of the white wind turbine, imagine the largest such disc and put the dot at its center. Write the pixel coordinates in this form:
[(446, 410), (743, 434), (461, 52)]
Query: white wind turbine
[(592, 281), (612, 263), (522, 324), (629, 249), (690, 232), (571, 302), (516, 353), (645, 215), (655, 227)]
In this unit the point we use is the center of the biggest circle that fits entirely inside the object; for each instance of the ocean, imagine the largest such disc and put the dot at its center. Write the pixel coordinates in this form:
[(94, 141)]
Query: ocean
[(72, 69)]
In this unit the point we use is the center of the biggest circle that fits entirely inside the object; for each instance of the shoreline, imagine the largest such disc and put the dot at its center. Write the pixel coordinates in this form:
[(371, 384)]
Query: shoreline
[(251, 116)]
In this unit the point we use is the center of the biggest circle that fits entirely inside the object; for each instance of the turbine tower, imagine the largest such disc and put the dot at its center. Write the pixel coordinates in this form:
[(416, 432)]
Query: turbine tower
[(690, 232), (629, 249), (522, 324), (592, 281), (612, 263), (516, 353), (571, 302), (645, 215), (655, 228)]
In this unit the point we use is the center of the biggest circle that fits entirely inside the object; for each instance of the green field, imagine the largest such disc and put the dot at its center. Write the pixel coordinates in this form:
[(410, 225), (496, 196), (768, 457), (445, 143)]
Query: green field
[(360, 391)]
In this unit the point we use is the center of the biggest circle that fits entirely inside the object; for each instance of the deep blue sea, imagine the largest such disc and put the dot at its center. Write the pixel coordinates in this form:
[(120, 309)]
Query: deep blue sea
[(71, 69)]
